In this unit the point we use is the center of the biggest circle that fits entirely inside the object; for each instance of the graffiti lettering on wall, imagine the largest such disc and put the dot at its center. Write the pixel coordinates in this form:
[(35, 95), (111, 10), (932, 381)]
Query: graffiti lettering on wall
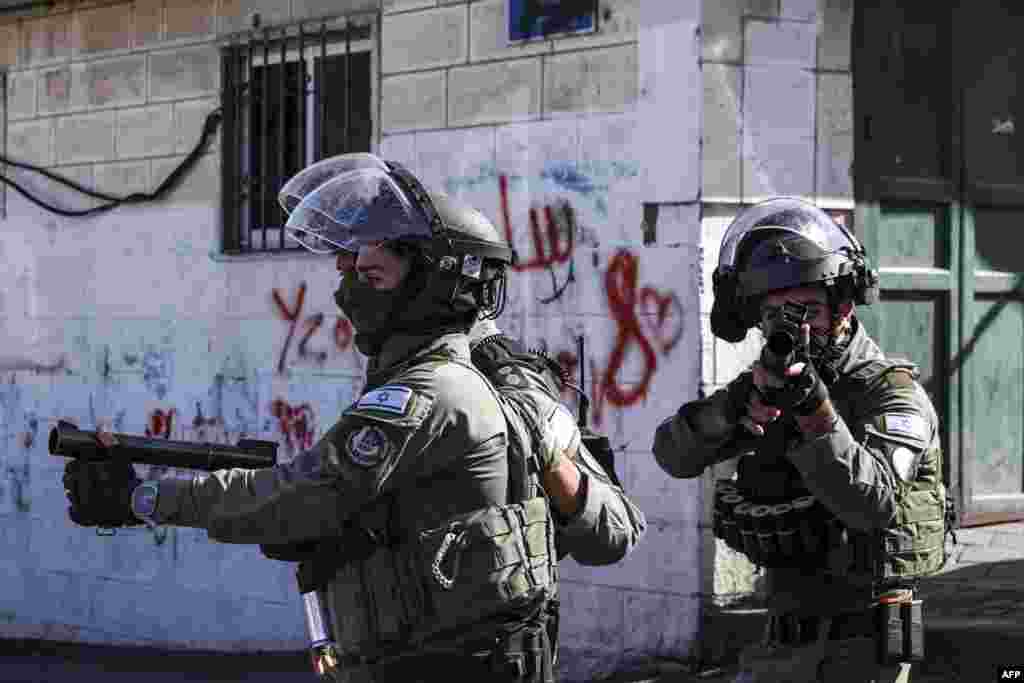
[(554, 245), (342, 332), (296, 423), (163, 423)]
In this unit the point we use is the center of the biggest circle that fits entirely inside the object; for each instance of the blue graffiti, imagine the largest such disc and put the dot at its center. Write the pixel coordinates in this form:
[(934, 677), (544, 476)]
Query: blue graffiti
[(157, 369), (568, 177)]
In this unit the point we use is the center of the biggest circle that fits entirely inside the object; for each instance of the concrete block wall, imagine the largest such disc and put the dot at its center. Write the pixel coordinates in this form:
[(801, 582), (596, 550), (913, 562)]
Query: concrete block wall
[(778, 120), (162, 334), (518, 130)]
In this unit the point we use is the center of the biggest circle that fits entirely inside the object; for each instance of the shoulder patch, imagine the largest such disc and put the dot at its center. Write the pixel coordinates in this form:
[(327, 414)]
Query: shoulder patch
[(389, 398), (909, 425), (367, 446)]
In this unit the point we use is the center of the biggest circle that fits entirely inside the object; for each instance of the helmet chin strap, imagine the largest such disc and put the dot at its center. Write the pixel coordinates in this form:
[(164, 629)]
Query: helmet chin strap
[(827, 355)]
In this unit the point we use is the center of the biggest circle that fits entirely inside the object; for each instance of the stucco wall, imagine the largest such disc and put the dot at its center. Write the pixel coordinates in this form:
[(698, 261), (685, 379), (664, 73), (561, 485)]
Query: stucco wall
[(161, 332)]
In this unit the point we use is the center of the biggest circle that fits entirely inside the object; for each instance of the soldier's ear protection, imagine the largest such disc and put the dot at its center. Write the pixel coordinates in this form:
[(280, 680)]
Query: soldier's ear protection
[(727, 315)]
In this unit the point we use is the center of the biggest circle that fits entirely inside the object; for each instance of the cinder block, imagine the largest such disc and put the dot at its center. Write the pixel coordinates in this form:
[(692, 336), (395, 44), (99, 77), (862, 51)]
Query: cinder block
[(145, 131), (99, 29), (618, 22), (761, 8), (780, 43), (10, 44), (307, 9), (236, 15), (488, 34), (394, 6), (186, 72), (189, 119), (21, 95), (802, 10), (149, 19), (835, 137), (54, 90), (201, 184), (778, 137), (661, 624), (82, 174), (720, 137), (119, 81), (30, 141), (413, 101), (46, 39), (426, 39), (188, 18), (670, 103), (490, 93), (721, 30), (85, 137), (835, 29), (401, 148), (604, 79)]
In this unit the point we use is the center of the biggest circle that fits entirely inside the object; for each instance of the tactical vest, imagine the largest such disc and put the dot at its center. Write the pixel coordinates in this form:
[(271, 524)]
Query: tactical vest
[(442, 588), (790, 528)]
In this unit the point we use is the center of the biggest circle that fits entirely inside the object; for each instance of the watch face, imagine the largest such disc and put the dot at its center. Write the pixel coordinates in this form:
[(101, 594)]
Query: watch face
[(144, 499)]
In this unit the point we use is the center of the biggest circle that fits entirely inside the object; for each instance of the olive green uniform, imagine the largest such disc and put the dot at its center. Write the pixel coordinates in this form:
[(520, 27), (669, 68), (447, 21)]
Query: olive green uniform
[(420, 464), (607, 524), (881, 458)]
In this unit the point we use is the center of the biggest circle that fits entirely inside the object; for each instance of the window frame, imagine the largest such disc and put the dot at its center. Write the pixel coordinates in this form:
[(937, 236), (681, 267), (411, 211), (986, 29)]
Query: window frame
[(242, 57)]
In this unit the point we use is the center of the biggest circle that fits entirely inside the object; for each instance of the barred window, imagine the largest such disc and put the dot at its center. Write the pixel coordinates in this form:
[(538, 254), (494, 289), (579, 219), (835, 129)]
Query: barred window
[(292, 95)]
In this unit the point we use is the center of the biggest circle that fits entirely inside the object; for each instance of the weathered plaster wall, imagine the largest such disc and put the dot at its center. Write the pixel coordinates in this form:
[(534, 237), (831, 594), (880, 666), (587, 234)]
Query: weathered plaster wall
[(162, 334)]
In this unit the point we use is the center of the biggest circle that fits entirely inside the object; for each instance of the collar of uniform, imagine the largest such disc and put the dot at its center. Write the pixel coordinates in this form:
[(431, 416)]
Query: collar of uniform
[(860, 349), (481, 330), (400, 348)]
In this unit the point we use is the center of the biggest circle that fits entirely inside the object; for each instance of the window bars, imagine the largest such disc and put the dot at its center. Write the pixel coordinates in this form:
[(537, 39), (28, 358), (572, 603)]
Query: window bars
[(292, 95)]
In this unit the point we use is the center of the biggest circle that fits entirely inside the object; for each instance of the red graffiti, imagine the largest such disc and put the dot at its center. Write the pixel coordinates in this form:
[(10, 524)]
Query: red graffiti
[(627, 303), (556, 246), (665, 305), (312, 323), (296, 423), (160, 423)]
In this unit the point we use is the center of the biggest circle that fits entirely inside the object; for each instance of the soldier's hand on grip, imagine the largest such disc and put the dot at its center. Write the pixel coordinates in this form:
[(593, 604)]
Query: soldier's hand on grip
[(100, 492), (799, 390)]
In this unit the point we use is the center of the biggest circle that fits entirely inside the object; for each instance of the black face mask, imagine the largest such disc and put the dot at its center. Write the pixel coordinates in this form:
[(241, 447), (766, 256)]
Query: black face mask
[(369, 310)]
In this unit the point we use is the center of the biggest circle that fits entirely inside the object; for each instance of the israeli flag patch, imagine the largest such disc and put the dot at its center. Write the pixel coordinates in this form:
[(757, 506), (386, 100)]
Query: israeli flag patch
[(910, 425), (390, 398)]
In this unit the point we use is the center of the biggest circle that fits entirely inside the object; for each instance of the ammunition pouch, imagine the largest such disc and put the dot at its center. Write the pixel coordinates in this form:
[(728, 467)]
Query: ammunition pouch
[(444, 586), (800, 533)]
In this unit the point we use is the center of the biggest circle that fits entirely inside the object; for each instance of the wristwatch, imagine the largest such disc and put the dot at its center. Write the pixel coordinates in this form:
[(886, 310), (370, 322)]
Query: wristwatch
[(144, 499)]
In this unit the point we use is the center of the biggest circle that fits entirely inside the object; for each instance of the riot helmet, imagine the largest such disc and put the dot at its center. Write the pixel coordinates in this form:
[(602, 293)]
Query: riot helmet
[(779, 244), (457, 257), (312, 177)]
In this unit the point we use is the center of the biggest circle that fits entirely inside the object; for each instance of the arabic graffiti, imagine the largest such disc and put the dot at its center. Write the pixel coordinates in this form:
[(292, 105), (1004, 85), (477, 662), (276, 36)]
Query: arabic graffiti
[(342, 333)]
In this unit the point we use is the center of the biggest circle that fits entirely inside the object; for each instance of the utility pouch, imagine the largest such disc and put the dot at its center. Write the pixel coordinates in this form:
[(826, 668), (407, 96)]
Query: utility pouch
[(889, 633), (913, 630)]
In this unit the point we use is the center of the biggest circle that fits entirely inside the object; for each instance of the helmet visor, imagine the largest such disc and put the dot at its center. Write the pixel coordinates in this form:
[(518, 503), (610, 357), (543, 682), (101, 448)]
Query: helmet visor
[(359, 208), (786, 214), (308, 179)]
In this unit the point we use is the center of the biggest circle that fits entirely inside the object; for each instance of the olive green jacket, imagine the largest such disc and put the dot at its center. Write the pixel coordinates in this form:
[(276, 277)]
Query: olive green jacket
[(885, 442), (434, 432)]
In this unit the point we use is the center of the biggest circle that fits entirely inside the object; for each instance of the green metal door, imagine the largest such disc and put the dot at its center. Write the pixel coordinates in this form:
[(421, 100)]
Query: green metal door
[(940, 192)]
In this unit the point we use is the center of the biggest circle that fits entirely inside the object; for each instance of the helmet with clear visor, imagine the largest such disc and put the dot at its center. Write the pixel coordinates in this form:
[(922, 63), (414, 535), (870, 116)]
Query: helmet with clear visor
[(308, 179), (779, 244)]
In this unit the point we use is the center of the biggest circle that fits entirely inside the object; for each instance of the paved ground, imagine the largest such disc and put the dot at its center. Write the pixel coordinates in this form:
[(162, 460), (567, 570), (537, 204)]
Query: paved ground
[(974, 613)]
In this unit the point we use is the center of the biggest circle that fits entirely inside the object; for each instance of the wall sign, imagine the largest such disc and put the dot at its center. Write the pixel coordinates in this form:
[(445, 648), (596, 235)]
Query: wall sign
[(532, 19)]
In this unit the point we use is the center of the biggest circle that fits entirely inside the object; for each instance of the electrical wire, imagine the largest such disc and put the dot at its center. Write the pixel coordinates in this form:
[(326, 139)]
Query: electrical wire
[(213, 120)]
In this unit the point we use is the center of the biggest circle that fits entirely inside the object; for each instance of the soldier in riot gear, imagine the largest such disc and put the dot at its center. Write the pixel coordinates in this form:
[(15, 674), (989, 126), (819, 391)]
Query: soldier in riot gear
[(426, 546), (839, 492)]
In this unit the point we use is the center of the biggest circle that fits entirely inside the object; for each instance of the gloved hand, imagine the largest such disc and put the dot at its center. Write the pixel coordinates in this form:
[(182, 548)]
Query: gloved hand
[(799, 390), (100, 493)]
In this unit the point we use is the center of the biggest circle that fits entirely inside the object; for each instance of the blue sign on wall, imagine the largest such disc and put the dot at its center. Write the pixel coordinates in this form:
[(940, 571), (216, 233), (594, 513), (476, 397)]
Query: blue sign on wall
[(529, 19)]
